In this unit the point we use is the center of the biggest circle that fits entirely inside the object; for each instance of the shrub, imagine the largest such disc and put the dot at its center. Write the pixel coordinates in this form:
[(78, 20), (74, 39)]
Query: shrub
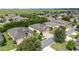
[(30, 44), (71, 45), (66, 18)]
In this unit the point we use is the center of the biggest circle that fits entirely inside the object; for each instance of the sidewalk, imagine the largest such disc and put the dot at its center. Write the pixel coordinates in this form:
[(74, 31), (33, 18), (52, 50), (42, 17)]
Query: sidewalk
[(48, 48), (13, 49)]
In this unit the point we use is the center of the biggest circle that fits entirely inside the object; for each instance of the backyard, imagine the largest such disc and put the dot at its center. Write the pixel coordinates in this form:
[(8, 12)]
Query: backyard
[(9, 45)]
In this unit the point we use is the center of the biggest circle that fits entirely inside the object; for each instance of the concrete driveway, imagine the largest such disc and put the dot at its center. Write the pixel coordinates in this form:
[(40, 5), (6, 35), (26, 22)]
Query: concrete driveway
[(70, 31), (48, 48)]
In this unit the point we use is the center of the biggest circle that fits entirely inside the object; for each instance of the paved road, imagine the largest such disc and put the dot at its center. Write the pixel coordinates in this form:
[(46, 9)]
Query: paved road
[(47, 42), (48, 48), (50, 40), (70, 31)]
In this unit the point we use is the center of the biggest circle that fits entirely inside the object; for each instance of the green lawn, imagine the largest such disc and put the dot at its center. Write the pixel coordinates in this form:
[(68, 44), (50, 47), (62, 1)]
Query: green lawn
[(1, 26), (9, 43), (58, 46), (25, 11)]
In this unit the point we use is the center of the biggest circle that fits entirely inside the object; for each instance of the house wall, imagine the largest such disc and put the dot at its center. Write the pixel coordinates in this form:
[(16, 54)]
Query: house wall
[(34, 29), (10, 36), (18, 41)]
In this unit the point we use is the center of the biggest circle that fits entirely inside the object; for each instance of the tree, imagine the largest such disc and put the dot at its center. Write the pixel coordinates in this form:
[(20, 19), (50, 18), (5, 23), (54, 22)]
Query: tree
[(66, 18), (1, 16), (30, 44), (71, 45), (59, 35), (37, 19), (50, 28)]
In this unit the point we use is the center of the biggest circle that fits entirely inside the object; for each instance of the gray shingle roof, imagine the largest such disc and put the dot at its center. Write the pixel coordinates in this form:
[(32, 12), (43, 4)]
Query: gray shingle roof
[(57, 23), (43, 27), (13, 16), (40, 27), (18, 32)]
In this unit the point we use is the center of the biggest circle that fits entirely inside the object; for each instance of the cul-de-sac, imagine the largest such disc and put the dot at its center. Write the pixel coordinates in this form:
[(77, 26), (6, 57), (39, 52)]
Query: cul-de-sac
[(39, 29)]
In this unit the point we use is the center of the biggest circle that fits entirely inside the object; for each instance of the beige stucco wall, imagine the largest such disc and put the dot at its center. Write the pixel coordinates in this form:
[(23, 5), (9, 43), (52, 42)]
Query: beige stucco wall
[(34, 29)]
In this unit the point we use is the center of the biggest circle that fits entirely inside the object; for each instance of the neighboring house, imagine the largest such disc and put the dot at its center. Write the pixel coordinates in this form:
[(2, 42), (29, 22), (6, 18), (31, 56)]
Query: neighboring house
[(77, 48), (41, 28), (72, 19), (38, 27), (14, 17), (44, 28), (1, 38), (46, 25), (57, 23), (19, 33), (50, 18)]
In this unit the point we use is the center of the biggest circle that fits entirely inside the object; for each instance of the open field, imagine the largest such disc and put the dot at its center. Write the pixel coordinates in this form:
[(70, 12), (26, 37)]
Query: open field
[(25, 11)]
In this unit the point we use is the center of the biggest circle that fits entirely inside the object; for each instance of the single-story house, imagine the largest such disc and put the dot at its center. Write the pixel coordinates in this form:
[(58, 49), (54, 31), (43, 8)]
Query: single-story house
[(38, 27), (77, 48), (57, 23), (41, 28), (14, 17), (1, 38), (19, 33), (46, 25)]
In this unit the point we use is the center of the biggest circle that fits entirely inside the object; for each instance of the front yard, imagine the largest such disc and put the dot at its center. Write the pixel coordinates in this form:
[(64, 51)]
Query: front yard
[(58, 46), (9, 45)]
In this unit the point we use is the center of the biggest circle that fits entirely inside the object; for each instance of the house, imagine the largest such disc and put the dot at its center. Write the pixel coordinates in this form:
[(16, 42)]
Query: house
[(57, 23), (14, 17), (19, 33), (41, 28), (38, 27), (1, 38), (77, 48), (44, 28), (50, 18)]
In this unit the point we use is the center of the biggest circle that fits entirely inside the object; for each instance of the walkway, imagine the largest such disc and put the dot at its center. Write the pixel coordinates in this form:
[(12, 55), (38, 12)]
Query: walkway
[(48, 48), (70, 31)]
